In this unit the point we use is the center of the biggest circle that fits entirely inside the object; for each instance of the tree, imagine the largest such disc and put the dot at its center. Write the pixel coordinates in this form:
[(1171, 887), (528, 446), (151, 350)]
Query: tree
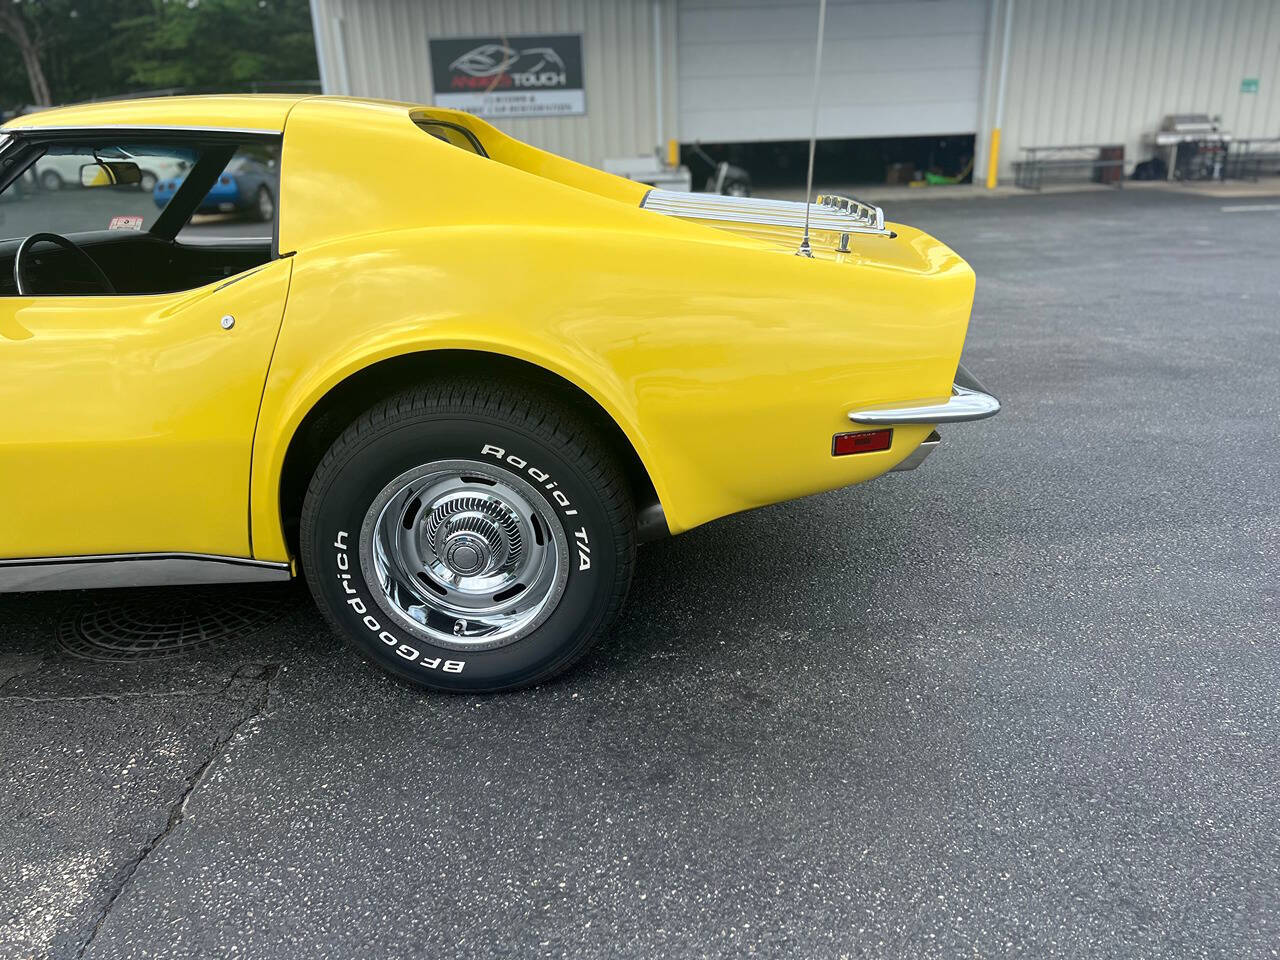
[(208, 44), (89, 49), (26, 36)]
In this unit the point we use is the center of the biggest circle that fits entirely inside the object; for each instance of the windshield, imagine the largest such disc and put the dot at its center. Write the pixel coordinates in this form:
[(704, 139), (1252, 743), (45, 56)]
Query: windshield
[(6, 142)]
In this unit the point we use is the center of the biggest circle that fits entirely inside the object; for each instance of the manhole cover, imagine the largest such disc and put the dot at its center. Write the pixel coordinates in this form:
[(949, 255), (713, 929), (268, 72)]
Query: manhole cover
[(137, 625)]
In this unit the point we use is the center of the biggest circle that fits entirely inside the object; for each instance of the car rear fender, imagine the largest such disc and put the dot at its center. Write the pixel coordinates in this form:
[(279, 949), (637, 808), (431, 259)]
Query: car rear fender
[(728, 367)]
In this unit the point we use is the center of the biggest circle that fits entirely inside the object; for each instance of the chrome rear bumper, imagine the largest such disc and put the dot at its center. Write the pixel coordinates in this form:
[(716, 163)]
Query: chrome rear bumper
[(969, 401), (917, 456)]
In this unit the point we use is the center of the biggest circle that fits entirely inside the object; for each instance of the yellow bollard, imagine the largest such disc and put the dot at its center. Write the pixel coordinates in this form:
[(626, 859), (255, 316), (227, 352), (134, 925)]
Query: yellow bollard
[(993, 160)]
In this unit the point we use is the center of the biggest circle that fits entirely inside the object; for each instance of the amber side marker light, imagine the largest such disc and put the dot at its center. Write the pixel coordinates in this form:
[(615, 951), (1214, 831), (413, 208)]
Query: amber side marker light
[(869, 441)]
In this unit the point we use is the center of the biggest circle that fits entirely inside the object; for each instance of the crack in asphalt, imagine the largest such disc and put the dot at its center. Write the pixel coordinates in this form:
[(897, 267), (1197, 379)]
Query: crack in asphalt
[(117, 697), (24, 671), (246, 677)]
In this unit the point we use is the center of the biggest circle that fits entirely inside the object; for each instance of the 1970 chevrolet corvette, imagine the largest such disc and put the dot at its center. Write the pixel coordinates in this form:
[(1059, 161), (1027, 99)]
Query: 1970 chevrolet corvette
[(455, 385)]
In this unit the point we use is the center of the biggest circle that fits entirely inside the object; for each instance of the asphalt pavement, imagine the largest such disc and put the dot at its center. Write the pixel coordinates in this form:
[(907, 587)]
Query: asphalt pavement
[(1022, 702)]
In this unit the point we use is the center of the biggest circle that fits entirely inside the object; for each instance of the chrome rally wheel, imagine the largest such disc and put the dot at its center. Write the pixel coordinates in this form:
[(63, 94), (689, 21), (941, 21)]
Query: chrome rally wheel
[(464, 555), (470, 535)]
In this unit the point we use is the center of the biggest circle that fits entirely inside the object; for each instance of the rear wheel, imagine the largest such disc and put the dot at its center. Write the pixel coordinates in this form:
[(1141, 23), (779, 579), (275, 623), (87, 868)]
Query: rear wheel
[(467, 536), (50, 180), (264, 206)]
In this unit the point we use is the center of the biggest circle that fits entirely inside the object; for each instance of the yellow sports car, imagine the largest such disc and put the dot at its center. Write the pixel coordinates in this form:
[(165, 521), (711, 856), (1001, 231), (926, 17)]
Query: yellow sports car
[(453, 383)]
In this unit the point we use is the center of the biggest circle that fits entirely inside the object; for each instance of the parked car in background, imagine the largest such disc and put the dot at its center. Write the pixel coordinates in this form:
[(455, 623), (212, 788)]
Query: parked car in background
[(248, 186)]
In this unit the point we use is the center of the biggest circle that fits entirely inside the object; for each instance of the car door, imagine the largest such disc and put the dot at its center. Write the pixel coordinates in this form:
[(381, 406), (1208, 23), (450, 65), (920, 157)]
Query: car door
[(128, 420)]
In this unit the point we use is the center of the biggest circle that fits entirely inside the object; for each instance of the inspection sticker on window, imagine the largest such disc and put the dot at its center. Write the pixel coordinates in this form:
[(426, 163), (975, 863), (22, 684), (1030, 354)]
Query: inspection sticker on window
[(125, 223)]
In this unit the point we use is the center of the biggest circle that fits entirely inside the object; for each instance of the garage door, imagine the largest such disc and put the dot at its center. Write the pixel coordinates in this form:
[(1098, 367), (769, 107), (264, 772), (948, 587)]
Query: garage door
[(889, 68)]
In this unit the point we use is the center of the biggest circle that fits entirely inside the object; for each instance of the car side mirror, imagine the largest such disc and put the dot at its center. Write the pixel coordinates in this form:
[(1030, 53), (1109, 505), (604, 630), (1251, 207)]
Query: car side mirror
[(110, 173)]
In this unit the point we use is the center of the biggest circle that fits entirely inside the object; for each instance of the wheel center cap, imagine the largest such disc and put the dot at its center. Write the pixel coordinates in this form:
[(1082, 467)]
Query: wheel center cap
[(473, 535), (466, 555)]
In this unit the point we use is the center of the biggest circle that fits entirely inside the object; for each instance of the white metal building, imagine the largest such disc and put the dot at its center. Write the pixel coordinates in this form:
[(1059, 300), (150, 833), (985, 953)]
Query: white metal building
[(1076, 71)]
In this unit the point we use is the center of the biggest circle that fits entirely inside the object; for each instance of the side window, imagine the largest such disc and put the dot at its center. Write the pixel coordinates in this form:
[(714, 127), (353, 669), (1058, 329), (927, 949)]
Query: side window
[(132, 217), (454, 134), (80, 188), (240, 203)]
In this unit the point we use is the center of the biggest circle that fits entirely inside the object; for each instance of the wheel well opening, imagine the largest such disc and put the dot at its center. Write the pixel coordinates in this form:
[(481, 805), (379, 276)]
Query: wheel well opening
[(345, 402)]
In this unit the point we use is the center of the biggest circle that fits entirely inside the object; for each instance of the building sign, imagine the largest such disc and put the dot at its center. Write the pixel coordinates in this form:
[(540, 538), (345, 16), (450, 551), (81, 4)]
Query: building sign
[(525, 76), (1249, 85)]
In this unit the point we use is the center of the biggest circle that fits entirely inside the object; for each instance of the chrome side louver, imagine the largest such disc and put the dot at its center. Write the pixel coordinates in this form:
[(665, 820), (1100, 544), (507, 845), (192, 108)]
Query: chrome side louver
[(840, 214)]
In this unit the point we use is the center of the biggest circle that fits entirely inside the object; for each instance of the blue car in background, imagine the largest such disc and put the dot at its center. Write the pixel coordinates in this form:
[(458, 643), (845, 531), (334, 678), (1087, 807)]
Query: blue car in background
[(246, 187)]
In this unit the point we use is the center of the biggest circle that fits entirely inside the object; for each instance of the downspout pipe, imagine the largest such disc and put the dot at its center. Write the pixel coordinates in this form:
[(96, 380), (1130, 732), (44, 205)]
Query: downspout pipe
[(318, 35), (657, 79), (993, 144), (340, 48)]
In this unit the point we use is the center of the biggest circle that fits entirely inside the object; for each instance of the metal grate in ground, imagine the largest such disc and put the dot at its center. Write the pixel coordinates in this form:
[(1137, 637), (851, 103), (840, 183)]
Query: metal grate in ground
[(156, 624)]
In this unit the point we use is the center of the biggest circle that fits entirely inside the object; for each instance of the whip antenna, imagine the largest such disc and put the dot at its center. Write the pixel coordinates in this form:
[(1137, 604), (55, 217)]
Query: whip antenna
[(805, 250)]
